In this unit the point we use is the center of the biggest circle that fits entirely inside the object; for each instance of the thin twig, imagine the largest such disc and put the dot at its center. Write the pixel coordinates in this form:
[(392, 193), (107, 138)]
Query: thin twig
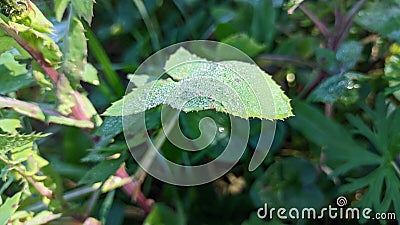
[(320, 25)]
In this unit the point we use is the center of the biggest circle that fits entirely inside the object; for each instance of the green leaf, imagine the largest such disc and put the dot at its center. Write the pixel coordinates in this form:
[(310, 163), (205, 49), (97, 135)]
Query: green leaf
[(379, 183), (84, 8), (10, 125), (36, 20), (8, 208), (10, 142), (59, 7), (37, 40), (255, 93), (326, 133), (106, 206), (111, 126), (13, 74), (65, 96), (348, 54), (102, 171), (339, 88), (162, 215), (75, 52), (327, 60), (290, 182), (90, 75), (263, 22), (382, 17), (244, 43)]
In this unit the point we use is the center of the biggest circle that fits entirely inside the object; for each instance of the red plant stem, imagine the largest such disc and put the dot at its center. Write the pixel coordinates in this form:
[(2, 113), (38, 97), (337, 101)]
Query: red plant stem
[(133, 190), (37, 56)]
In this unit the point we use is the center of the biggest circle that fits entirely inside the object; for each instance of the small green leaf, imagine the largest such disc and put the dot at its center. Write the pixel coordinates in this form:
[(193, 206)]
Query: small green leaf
[(8, 208), (59, 7), (342, 88), (13, 74), (244, 43), (298, 188), (90, 75), (102, 171), (161, 215), (348, 54), (75, 52), (10, 125), (84, 8)]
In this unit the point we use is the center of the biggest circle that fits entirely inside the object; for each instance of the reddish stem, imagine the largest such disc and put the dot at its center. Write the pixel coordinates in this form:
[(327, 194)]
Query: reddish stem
[(132, 189)]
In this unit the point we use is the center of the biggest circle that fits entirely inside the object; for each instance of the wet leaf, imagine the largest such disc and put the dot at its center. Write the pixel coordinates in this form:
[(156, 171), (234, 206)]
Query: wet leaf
[(233, 87), (342, 88)]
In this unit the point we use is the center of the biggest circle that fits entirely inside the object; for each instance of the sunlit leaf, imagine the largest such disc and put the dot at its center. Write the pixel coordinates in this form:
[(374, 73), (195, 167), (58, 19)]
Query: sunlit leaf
[(201, 82), (84, 8), (8, 208), (10, 125)]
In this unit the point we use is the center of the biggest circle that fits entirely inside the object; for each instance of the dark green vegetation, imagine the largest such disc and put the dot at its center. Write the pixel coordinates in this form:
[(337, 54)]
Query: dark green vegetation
[(63, 163)]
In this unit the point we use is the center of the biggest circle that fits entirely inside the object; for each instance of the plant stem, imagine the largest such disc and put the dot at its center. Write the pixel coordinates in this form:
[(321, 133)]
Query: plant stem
[(77, 110), (320, 25), (133, 189), (348, 21)]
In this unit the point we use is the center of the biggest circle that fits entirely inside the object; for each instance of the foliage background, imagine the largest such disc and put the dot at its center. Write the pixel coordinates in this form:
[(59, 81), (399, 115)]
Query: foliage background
[(338, 61)]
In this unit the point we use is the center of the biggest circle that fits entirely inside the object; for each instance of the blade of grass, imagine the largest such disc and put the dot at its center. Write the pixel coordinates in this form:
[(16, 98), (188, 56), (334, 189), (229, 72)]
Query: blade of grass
[(99, 53), (152, 26)]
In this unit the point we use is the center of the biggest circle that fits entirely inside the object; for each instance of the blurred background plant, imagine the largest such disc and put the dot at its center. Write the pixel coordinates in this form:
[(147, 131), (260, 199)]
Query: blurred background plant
[(61, 163)]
